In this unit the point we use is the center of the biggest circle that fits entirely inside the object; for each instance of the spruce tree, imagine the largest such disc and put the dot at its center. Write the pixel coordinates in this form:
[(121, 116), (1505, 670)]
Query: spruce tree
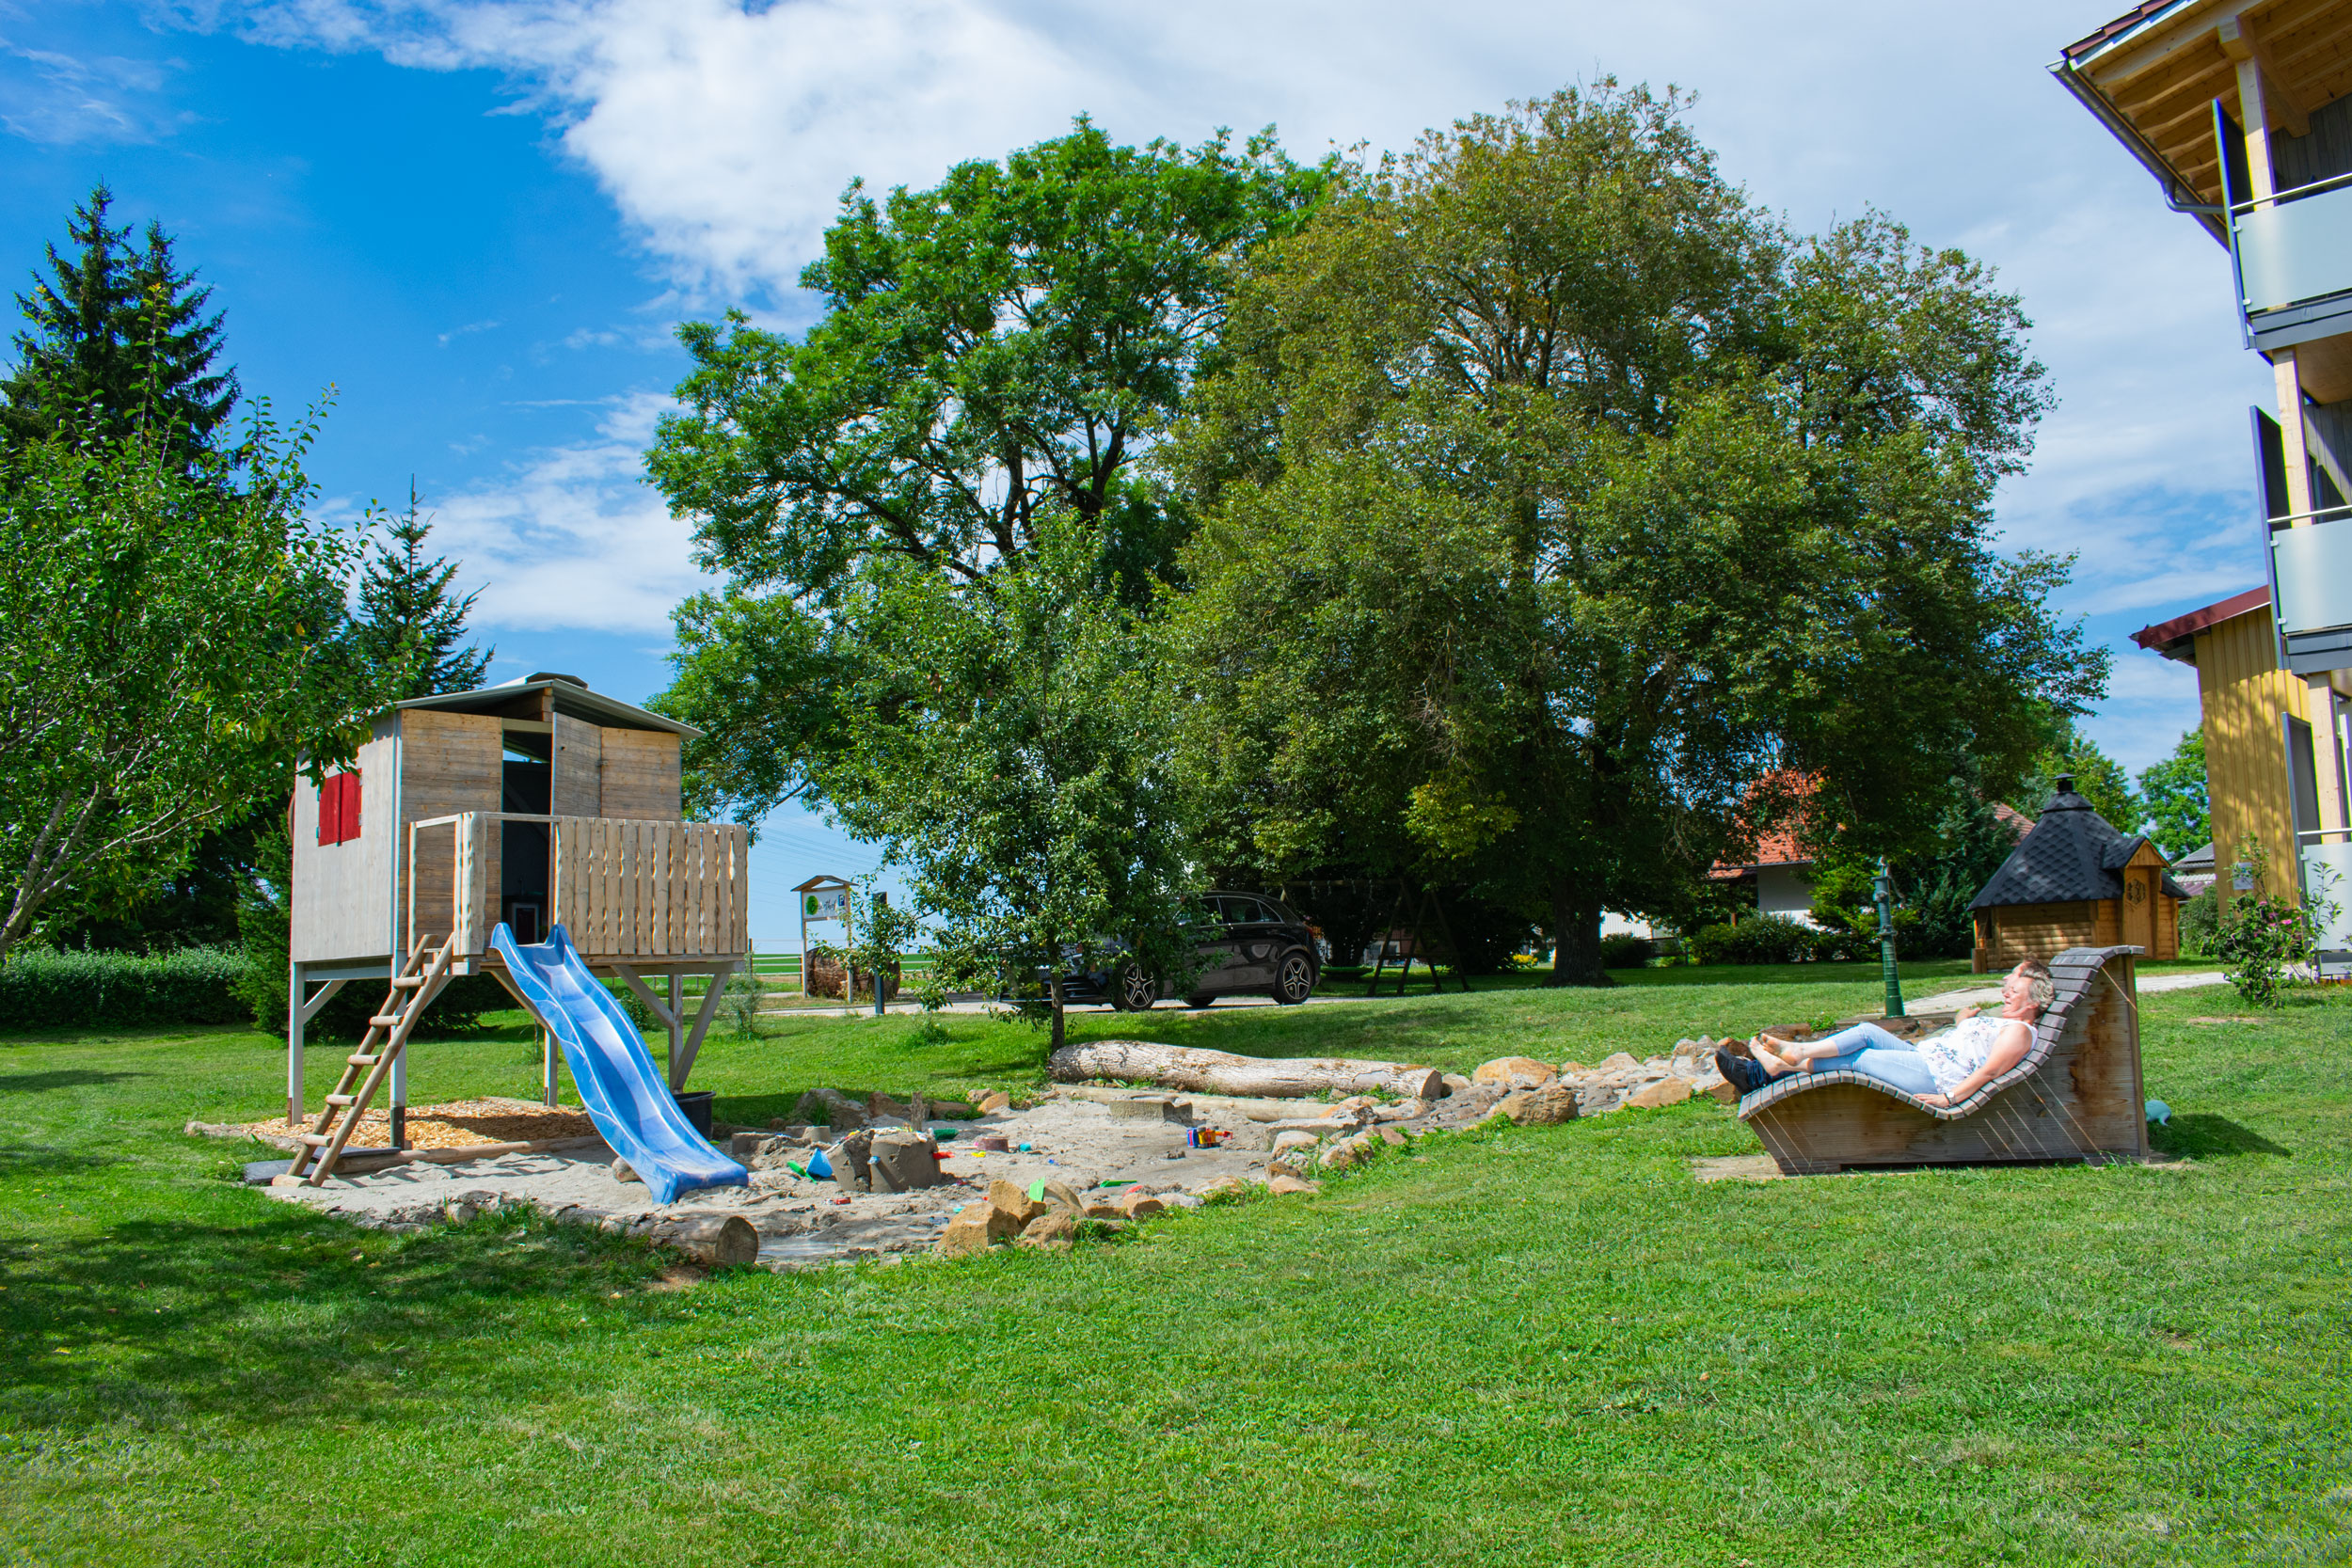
[(408, 618), (115, 334)]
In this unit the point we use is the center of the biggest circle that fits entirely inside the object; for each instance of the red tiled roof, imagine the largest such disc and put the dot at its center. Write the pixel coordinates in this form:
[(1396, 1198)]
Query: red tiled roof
[(2123, 23), (2165, 636)]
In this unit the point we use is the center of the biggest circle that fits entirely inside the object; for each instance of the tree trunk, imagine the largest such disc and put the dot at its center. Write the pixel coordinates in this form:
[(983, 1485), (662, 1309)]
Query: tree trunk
[(1575, 940), (717, 1240), (1054, 986), (1178, 1067)]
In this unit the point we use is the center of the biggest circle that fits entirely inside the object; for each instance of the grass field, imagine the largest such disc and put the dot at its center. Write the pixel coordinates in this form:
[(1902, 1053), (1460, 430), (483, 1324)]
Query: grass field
[(1510, 1347)]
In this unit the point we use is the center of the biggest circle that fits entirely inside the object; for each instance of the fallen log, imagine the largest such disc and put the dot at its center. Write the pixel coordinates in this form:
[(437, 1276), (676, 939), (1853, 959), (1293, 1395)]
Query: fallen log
[(713, 1239), (1181, 1066)]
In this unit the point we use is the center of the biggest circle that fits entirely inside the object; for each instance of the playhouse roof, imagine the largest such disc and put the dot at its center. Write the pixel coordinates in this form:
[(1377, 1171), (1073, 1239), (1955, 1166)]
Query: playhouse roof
[(571, 698), (2072, 855)]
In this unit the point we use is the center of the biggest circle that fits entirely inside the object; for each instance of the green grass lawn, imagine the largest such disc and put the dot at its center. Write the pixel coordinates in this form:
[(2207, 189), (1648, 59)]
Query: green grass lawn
[(1512, 1347)]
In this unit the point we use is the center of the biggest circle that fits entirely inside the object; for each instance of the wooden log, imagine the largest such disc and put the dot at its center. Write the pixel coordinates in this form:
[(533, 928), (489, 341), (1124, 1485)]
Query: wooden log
[(1179, 1066), (717, 1240)]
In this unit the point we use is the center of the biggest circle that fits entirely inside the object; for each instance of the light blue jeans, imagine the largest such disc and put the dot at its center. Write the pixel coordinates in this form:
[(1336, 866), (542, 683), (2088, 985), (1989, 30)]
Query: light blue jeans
[(1866, 1049)]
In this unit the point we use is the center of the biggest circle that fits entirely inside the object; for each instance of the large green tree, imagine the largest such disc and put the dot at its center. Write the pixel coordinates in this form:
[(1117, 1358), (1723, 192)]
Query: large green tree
[(2067, 752), (1554, 495), (939, 538), (174, 640), (2176, 795), (408, 622), (116, 341)]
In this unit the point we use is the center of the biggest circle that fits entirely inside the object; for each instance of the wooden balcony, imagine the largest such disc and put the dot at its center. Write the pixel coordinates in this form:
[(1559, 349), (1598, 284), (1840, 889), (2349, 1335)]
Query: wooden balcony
[(642, 892)]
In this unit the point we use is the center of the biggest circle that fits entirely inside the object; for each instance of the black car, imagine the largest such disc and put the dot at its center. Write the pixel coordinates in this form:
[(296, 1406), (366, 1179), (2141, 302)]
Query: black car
[(1249, 945)]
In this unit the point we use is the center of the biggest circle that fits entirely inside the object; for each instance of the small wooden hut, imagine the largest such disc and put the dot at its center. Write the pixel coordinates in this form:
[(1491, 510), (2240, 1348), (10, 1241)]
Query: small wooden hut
[(2075, 881), (535, 803)]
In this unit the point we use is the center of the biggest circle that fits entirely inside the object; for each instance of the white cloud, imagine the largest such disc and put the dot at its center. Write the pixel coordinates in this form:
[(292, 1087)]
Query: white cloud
[(723, 135), (63, 99), (572, 538)]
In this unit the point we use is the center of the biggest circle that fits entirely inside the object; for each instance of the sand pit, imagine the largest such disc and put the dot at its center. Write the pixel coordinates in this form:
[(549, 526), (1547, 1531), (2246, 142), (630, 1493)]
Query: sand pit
[(452, 1124)]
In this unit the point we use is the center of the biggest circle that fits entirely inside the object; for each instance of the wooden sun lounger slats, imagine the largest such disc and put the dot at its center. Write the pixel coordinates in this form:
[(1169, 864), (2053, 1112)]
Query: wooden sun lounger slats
[(2076, 1095)]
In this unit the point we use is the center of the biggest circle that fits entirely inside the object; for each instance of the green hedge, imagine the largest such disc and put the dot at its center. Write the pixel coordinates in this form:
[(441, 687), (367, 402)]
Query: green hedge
[(44, 989)]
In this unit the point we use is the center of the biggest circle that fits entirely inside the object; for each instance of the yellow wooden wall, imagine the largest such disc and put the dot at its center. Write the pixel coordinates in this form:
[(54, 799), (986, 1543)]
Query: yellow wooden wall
[(2244, 694)]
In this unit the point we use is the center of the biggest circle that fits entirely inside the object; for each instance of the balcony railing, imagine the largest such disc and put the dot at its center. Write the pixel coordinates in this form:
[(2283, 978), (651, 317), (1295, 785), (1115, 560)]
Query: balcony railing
[(620, 888), (2293, 257), (2311, 589)]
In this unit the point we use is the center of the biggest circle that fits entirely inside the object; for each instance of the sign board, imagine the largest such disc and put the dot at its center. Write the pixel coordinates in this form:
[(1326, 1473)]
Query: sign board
[(825, 904), (2242, 878)]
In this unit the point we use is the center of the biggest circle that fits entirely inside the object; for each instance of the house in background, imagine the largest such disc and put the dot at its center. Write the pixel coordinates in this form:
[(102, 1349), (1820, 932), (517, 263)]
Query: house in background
[(2261, 745), (1781, 875), (2242, 110), (2076, 881)]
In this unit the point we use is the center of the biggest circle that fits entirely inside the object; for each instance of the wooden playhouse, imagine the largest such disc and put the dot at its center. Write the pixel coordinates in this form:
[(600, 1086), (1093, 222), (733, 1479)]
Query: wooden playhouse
[(535, 803), (2076, 881)]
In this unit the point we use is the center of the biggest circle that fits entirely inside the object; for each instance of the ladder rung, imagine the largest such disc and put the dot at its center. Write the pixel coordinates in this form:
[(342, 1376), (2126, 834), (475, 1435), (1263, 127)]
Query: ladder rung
[(342, 1099), (316, 1140), (385, 1019), (410, 981), (362, 1059)]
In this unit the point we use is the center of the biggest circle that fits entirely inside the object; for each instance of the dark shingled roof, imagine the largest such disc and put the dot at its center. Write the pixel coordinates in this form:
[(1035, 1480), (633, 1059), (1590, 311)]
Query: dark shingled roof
[(2072, 855)]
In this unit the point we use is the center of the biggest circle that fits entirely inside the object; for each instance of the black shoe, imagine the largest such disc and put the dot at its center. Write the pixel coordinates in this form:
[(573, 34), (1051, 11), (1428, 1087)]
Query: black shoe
[(1741, 1074)]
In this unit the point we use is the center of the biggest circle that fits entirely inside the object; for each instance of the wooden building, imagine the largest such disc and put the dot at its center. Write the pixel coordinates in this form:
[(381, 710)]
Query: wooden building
[(535, 803), (2243, 114), (2075, 882), (2261, 748)]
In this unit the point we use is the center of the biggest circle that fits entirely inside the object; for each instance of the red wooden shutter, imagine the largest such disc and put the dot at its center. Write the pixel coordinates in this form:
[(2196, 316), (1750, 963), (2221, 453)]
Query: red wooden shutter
[(339, 808)]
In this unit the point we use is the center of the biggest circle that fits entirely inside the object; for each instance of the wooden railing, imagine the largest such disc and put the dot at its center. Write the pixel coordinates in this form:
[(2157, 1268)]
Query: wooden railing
[(619, 888)]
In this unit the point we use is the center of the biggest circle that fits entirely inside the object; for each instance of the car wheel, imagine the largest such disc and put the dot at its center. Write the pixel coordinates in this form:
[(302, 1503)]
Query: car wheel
[(1293, 979), (1132, 989)]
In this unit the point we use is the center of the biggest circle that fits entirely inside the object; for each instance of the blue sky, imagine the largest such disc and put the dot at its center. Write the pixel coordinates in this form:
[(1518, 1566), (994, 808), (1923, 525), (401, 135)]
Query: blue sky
[(479, 223)]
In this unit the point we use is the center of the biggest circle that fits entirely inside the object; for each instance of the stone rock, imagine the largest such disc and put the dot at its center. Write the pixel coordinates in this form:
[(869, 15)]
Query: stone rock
[(1393, 1138), (1455, 1082), (1620, 1062), (1285, 1141), (1064, 1196), (1540, 1107), (1145, 1108), (459, 1213), (1014, 1202), (1666, 1091), (621, 1171), (951, 1110), (1140, 1205), (975, 1228), (1283, 1182), (1504, 1070), (880, 1104), (1057, 1230), (1225, 1186), (1716, 1087), (832, 1107), (992, 1104), (1098, 1210)]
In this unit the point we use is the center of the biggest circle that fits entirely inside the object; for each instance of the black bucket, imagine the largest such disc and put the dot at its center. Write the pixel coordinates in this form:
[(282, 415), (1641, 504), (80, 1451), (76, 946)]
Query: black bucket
[(696, 1105)]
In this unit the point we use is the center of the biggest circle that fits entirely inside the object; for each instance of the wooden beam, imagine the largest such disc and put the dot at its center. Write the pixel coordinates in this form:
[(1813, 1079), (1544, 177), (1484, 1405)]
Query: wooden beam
[(702, 1024), (2189, 31), (2240, 43)]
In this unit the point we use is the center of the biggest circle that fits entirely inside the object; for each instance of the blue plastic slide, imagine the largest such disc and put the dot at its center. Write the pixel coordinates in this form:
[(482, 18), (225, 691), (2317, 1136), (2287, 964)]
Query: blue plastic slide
[(627, 1097)]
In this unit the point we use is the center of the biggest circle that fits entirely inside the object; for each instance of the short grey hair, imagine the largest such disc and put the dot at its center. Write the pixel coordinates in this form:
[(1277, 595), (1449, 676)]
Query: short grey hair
[(2038, 982)]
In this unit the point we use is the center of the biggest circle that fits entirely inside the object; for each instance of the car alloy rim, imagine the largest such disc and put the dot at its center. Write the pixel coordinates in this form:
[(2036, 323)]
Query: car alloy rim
[(1140, 991), (1296, 980)]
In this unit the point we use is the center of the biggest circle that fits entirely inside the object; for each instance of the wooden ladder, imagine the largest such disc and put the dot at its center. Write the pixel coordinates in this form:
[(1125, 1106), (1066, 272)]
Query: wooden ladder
[(420, 980)]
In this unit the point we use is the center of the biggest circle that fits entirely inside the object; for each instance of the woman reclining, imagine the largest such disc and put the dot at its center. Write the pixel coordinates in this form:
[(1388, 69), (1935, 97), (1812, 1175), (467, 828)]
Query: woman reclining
[(1942, 1069)]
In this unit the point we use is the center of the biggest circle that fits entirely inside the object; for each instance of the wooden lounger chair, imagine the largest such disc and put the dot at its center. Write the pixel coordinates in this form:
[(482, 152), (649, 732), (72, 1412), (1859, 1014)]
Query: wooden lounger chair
[(2076, 1096)]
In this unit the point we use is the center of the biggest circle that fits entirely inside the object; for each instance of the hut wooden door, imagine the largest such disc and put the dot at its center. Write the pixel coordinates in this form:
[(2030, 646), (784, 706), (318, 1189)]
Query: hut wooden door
[(2140, 908)]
